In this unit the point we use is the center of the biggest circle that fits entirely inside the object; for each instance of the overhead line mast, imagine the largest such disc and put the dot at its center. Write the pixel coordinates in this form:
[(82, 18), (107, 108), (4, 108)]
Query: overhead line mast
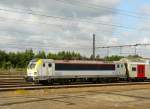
[(93, 46)]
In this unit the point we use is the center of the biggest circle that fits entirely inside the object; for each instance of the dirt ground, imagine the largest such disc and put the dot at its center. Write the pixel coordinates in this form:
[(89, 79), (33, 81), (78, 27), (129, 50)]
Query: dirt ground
[(114, 97)]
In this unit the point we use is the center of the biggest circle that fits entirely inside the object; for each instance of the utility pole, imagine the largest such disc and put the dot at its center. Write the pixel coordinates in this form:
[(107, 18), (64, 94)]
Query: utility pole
[(135, 50), (120, 50), (108, 51), (93, 46)]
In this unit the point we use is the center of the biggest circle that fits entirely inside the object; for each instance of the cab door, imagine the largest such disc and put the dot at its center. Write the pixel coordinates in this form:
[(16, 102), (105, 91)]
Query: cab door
[(50, 69), (44, 69), (141, 71), (118, 69), (121, 70)]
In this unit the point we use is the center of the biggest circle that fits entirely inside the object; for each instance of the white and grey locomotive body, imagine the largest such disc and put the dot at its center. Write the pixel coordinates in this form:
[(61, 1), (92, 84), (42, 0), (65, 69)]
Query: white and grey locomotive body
[(48, 70)]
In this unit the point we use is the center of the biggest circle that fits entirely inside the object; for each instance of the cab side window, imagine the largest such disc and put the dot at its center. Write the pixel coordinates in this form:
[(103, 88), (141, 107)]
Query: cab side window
[(133, 68), (49, 65), (43, 64), (118, 66)]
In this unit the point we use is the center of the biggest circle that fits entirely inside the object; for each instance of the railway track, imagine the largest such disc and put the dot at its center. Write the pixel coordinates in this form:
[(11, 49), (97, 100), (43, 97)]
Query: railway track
[(37, 87), (17, 82), (13, 81)]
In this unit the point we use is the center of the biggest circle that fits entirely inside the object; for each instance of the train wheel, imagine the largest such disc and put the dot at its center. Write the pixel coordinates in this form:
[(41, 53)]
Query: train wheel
[(36, 82), (44, 82), (51, 82)]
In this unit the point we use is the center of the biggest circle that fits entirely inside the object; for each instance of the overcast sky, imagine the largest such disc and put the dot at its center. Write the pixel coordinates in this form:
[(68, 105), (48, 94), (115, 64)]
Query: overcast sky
[(115, 22)]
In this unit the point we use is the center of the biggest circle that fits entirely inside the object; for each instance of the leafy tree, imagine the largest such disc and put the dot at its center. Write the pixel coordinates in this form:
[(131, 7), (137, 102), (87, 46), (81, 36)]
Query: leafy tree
[(3, 57), (41, 54), (113, 58), (134, 56)]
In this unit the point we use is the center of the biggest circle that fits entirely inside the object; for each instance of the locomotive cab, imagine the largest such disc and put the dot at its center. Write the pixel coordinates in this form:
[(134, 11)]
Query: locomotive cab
[(121, 70), (31, 71), (39, 70)]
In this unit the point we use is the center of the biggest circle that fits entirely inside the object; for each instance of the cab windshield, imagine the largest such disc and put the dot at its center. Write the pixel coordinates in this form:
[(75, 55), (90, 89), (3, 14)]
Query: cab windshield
[(31, 65)]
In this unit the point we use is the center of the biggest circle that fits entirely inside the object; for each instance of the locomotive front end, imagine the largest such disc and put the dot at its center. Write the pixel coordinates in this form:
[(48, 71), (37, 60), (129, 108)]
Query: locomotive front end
[(32, 72)]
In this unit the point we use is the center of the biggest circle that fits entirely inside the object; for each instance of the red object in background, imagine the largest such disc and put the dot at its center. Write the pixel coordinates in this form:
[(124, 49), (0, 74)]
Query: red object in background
[(141, 71)]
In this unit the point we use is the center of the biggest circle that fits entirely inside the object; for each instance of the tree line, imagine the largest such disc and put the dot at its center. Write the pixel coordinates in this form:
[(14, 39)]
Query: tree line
[(21, 59)]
